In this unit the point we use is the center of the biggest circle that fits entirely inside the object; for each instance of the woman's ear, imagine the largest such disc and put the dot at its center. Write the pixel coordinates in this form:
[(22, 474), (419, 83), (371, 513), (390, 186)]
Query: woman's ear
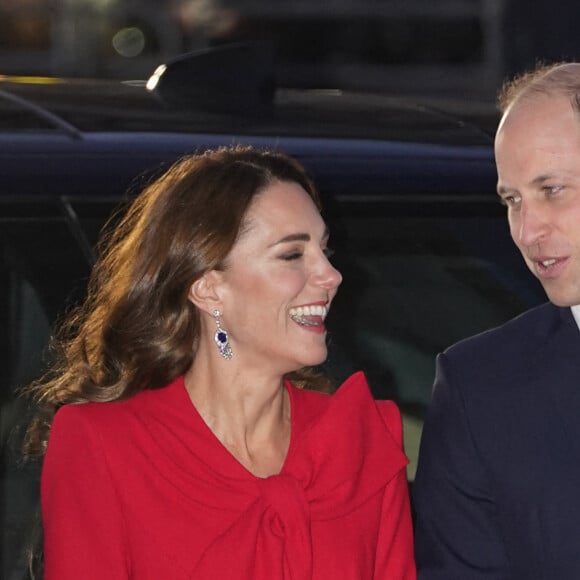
[(204, 292)]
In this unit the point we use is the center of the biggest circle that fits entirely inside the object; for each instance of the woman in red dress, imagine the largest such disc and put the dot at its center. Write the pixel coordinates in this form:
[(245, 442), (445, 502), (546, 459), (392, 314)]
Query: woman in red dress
[(183, 443)]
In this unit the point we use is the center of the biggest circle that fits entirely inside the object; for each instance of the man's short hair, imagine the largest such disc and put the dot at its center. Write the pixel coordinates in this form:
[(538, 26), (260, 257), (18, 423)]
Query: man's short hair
[(558, 79)]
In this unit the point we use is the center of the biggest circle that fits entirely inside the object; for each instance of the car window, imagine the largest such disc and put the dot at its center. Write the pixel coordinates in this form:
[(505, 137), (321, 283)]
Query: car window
[(42, 273), (420, 272), (413, 286)]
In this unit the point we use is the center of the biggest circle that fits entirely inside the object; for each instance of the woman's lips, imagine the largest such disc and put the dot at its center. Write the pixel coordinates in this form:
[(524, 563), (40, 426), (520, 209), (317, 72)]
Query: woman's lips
[(310, 317)]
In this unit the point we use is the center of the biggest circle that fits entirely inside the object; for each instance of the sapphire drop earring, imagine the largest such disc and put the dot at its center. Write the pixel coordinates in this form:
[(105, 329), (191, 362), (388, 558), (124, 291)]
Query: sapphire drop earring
[(221, 337)]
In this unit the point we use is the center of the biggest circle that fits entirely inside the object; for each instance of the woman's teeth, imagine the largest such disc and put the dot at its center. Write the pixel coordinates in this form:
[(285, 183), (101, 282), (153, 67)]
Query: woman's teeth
[(301, 314)]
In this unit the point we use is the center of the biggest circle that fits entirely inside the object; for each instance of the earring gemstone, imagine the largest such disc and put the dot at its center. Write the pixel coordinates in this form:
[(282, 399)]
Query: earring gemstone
[(221, 338)]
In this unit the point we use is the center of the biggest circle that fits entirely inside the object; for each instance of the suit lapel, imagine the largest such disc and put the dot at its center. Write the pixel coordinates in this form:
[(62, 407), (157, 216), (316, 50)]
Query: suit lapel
[(560, 360)]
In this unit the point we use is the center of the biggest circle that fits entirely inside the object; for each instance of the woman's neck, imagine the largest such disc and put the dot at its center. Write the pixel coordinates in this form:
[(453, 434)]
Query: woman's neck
[(249, 414)]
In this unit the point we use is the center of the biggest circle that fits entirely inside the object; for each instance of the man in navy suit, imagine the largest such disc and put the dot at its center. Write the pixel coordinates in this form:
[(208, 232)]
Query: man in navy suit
[(497, 492)]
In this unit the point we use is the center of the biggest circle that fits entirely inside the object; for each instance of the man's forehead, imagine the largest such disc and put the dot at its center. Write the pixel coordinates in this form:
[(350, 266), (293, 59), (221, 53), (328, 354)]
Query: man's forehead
[(538, 113)]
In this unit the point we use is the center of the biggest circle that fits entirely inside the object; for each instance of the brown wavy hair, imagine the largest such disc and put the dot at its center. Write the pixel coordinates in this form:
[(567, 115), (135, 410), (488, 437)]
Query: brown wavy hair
[(137, 329)]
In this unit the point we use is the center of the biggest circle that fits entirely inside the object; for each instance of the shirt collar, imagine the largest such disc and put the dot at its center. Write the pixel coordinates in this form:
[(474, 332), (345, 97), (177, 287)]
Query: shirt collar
[(576, 314)]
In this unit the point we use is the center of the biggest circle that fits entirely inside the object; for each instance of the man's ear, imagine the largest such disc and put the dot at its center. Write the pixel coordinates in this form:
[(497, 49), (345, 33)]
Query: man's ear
[(204, 292)]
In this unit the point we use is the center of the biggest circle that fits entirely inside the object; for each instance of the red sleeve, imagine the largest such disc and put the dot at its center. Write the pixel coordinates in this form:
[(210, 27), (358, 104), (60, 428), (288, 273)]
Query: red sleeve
[(395, 555), (84, 531)]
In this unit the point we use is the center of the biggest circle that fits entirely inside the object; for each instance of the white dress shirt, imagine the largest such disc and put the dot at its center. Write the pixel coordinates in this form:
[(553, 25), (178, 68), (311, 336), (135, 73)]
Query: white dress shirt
[(576, 314)]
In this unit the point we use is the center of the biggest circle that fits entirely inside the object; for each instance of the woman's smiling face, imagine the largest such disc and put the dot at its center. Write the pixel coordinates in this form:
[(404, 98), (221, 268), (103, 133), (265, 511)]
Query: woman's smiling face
[(278, 283)]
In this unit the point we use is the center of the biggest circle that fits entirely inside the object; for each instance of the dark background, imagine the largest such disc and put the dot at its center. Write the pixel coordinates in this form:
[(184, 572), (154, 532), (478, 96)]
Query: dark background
[(453, 48)]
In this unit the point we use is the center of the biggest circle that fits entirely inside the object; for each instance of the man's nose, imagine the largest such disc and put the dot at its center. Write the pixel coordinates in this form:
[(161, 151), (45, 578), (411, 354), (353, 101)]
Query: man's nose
[(534, 224)]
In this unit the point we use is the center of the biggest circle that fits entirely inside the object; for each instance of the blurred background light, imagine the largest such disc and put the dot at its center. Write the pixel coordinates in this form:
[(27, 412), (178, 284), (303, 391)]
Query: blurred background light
[(129, 42)]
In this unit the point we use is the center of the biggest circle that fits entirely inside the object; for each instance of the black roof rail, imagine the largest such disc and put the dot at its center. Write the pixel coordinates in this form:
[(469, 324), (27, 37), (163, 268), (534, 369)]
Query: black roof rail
[(231, 78), (44, 114)]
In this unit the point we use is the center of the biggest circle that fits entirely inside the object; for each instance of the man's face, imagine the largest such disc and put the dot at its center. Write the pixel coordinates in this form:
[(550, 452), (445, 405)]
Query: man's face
[(537, 151)]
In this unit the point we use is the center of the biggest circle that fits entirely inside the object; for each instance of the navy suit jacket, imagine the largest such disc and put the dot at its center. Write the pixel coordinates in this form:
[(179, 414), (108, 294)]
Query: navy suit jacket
[(497, 491)]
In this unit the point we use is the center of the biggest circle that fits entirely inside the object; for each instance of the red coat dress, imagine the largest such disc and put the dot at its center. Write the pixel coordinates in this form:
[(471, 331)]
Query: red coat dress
[(142, 489)]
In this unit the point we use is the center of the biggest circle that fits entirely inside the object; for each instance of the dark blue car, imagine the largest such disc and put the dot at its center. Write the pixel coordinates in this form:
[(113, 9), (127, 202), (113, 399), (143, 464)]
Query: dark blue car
[(409, 190)]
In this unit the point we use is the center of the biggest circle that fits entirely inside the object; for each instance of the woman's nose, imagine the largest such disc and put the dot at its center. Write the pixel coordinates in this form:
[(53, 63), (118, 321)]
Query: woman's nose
[(329, 276)]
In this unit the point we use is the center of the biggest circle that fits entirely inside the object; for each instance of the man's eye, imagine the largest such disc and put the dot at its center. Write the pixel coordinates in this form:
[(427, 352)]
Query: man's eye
[(552, 189), (510, 200)]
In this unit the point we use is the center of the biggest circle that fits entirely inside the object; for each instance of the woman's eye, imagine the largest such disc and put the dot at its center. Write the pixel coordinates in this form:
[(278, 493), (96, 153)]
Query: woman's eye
[(292, 256), (328, 252)]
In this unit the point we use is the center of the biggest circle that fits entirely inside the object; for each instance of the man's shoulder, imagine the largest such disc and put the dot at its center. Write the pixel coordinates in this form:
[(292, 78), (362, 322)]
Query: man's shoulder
[(524, 333), (503, 359)]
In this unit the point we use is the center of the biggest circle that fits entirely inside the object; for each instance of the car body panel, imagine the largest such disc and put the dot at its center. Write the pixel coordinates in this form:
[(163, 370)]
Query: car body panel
[(409, 195)]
